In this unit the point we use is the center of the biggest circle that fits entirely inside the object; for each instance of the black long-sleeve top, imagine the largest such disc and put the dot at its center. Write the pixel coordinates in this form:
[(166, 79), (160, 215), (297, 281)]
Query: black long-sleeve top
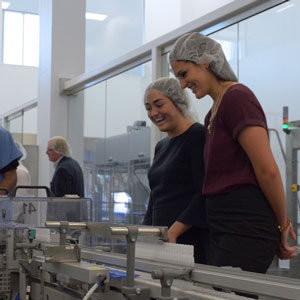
[(176, 178)]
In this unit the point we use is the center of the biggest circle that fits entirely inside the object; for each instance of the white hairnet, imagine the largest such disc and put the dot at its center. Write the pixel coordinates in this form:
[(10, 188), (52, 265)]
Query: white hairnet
[(171, 88), (200, 49), (22, 149), (61, 146)]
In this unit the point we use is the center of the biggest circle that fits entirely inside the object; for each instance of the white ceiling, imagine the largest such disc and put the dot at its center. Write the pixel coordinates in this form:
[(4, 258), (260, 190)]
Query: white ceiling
[(29, 6)]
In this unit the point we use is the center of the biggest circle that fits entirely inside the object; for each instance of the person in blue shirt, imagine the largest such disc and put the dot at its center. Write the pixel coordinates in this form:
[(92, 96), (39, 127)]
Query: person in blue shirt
[(9, 156)]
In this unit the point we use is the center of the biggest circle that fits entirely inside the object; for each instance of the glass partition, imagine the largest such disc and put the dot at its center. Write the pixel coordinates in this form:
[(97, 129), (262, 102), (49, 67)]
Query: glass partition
[(23, 129), (30, 127), (113, 28), (268, 63), (23, 126), (162, 17), (94, 137), (117, 147), (127, 152), (268, 66), (35, 211), (16, 128)]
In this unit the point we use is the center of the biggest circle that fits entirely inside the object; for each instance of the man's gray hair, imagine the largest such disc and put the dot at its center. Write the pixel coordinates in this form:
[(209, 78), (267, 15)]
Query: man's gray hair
[(61, 146)]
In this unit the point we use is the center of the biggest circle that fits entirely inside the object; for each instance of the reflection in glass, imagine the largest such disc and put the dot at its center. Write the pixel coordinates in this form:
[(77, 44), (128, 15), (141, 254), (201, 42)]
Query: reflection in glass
[(94, 135), (270, 68), (16, 128), (117, 147), (120, 32), (125, 101), (30, 127)]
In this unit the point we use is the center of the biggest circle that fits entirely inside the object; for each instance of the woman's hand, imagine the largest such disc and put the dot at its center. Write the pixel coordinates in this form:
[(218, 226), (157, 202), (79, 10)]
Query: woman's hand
[(285, 251), (176, 230), (172, 235)]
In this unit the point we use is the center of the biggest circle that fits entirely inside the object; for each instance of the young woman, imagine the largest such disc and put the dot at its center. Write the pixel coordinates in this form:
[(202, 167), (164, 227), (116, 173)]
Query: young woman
[(245, 202), (176, 174)]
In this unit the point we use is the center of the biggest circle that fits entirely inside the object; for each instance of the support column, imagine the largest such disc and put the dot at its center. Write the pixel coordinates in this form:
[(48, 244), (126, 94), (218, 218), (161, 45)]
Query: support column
[(62, 55), (157, 72), (1, 30)]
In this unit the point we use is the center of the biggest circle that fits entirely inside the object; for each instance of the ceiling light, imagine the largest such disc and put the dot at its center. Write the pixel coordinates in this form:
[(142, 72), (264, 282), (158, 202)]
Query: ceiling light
[(285, 7), (5, 4), (96, 17)]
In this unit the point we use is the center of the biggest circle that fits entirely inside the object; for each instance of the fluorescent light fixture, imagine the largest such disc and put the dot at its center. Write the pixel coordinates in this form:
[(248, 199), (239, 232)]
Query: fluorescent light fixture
[(5, 4), (95, 17), (285, 7)]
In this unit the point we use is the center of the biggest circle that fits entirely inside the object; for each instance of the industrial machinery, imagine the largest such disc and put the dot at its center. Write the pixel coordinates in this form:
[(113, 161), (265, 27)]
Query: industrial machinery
[(292, 130), (61, 261), (21, 218), (56, 248), (116, 175)]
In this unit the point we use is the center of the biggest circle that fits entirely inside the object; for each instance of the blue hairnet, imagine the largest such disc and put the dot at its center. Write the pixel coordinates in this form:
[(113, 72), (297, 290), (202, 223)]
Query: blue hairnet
[(8, 150)]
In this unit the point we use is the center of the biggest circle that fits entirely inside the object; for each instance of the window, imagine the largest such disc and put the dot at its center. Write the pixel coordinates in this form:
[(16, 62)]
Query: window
[(20, 38)]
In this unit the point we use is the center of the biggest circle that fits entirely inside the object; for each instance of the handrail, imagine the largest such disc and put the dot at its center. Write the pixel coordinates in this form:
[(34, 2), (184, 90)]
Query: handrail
[(220, 18), (279, 142), (16, 112)]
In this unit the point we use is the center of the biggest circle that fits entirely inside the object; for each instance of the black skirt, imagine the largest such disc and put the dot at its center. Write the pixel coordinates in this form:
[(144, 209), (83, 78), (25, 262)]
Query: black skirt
[(199, 238), (243, 230)]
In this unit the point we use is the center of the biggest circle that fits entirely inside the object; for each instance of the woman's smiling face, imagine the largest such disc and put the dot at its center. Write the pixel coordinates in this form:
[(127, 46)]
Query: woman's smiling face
[(195, 77), (163, 112)]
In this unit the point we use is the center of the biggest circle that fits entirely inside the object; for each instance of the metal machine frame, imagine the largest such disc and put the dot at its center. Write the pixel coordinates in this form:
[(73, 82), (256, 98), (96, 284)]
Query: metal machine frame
[(155, 280)]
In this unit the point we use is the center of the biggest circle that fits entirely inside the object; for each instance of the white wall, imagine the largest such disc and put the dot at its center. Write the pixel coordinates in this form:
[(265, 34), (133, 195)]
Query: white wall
[(18, 86), (162, 17), (194, 9)]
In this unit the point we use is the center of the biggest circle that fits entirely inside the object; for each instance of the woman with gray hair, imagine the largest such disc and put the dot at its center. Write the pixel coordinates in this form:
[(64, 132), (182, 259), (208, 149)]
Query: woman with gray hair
[(245, 201), (177, 171)]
